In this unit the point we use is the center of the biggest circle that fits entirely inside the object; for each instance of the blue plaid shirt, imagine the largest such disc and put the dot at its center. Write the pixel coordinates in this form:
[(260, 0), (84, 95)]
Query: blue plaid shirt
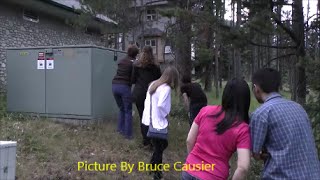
[(283, 128)]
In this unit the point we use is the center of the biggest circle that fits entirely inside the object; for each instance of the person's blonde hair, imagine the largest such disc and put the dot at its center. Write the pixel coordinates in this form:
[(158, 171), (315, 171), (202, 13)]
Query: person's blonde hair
[(146, 57), (169, 76)]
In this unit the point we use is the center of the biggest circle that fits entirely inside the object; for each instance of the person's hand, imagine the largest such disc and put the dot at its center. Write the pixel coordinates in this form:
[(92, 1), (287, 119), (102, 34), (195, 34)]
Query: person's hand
[(264, 155)]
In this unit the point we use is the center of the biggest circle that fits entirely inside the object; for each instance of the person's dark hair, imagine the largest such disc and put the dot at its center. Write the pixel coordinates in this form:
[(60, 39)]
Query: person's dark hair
[(235, 105), (268, 79), (186, 79), (133, 51)]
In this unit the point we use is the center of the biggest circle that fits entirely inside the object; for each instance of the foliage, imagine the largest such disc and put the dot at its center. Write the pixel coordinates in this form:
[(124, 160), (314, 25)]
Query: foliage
[(118, 11), (313, 105)]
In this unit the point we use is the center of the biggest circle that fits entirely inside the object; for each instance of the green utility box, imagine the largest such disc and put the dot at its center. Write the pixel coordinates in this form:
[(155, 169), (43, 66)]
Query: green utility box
[(73, 82)]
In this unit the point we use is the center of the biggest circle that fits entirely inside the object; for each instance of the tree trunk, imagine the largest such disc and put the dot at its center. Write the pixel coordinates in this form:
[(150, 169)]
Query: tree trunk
[(219, 15), (317, 57), (279, 43), (216, 65), (208, 77), (293, 81), (237, 67), (183, 44), (142, 23), (252, 13), (209, 46), (259, 53), (298, 27)]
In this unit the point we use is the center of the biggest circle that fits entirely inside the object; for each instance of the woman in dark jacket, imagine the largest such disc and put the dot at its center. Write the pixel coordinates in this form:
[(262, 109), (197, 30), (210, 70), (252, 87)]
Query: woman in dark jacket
[(121, 88), (145, 70)]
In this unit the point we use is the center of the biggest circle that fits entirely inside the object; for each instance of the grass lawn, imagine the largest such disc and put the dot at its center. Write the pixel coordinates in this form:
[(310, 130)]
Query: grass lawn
[(49, 150)]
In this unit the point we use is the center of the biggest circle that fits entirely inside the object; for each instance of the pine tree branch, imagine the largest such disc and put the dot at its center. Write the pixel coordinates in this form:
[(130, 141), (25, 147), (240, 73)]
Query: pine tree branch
[(285, 28), (259, 30), (270, 46), (311, 17), (283, 56)]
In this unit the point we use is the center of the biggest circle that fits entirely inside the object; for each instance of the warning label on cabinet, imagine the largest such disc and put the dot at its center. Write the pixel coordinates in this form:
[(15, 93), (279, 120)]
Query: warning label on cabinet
[(50, 64), (40, 64)]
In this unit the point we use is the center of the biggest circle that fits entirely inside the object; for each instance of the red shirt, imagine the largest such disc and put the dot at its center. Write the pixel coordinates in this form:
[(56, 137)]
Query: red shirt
[(211, 148)]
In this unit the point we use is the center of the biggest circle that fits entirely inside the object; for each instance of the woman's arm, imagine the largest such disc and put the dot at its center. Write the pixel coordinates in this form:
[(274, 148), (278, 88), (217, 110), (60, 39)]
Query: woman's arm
[(164, 102), (186, 101), (243, 164), (133, 75), (192, 136)]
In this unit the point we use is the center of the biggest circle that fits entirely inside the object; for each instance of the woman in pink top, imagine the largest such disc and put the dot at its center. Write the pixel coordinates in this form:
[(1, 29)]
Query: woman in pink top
[(216, 133)]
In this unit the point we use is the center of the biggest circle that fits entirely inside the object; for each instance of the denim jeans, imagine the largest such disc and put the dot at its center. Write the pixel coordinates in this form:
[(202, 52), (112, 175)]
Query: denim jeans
[(122, 95), (187, 176)]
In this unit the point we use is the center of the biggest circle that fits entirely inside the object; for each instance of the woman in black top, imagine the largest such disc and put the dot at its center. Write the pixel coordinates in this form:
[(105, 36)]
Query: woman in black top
[(194, 97), (145, 70), (121, 88)]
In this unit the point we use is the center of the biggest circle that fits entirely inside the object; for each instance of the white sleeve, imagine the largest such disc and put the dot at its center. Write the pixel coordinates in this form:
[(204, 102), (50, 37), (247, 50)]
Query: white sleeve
[(164, 102)]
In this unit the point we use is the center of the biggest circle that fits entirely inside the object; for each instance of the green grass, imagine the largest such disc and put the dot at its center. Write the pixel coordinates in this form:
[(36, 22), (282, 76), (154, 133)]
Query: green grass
[(49, 150)]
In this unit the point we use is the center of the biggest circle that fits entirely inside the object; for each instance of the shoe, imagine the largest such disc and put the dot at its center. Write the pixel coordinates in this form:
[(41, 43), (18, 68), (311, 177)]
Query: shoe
[(157, 175), (146, 142), (128, 137), (120, 132)]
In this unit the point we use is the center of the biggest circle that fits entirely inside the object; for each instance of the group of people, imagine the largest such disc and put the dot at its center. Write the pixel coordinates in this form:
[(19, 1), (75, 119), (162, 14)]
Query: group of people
[(278, 132)]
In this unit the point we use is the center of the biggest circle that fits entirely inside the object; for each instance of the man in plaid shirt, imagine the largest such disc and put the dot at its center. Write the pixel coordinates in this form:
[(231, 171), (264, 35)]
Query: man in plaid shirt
[(281, 133)]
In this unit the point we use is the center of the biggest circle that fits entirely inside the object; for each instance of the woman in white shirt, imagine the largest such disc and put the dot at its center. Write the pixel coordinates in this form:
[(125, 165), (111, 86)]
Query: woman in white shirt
[(160, 93)]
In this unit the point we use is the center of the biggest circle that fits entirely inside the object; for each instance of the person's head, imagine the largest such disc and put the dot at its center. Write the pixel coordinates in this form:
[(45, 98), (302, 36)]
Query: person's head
[(186, 79), (146, 56), (133, 51), (235, 104), (169, 76), (264, 82)]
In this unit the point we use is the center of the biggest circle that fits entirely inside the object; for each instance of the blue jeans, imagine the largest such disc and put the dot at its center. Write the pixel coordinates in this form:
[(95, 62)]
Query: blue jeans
[(122, 95), (187, 176)]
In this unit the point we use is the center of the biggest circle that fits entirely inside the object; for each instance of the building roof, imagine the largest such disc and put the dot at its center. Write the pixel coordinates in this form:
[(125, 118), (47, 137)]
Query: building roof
[(72, 5), (138, 3), (152, 32)]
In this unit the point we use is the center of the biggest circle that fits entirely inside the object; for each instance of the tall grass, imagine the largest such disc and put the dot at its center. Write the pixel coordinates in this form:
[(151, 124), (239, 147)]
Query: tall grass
[(49, 150)]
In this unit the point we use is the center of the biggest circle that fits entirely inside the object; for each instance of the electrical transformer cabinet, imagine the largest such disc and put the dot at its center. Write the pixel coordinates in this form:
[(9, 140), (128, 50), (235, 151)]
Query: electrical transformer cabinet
[(63, 82)]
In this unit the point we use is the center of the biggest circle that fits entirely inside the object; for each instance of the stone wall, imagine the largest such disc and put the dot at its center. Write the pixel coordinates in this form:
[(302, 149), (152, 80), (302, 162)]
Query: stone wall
[(49, 31)]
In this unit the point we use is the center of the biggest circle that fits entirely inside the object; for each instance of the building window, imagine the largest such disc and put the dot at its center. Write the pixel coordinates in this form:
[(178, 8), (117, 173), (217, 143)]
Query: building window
[(151, 15), (153, 44), (30, 16), (167, 49)]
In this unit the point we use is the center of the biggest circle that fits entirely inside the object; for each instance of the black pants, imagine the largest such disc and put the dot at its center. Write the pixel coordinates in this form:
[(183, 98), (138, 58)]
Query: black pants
[(144, 128), (194, 110), (159, 146)]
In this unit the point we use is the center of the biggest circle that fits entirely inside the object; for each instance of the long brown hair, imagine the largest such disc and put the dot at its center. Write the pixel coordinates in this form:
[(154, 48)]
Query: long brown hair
[(170, 76), (147, 57)]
